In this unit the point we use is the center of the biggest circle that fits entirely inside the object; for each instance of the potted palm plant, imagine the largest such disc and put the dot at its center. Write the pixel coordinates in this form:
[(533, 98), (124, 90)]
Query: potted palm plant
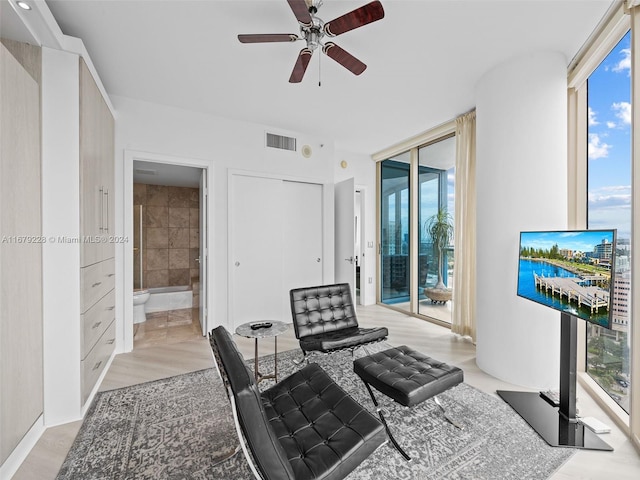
[(439, 227)]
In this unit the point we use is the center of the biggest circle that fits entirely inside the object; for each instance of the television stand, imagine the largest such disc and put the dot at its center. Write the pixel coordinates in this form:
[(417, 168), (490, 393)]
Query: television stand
[(550, 424), (558, 426)]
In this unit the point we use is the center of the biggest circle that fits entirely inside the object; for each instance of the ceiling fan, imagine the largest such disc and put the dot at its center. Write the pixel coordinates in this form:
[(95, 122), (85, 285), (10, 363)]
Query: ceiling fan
[(313, 30)]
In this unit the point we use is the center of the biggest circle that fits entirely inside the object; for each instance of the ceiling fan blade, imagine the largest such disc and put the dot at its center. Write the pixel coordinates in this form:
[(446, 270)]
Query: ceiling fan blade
[(344, 58), (360, 16), (267, 37), (301, 65), (301, 11)]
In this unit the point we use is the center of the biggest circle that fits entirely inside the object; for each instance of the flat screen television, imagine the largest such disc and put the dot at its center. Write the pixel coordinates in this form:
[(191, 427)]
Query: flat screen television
[(571, 271)]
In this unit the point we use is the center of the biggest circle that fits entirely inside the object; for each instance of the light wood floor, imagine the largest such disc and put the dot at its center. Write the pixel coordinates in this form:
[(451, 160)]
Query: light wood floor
[(158, 359)]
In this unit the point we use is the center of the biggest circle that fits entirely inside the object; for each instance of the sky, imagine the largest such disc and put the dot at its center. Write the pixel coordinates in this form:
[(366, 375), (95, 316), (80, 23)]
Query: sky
[(609, 149)]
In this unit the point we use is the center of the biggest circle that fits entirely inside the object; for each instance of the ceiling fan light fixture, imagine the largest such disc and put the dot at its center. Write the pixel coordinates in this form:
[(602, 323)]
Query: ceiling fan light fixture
[(313, 36)]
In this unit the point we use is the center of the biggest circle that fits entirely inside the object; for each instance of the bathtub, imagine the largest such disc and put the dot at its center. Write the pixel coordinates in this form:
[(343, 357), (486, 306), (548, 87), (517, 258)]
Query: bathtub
[(169, 298)]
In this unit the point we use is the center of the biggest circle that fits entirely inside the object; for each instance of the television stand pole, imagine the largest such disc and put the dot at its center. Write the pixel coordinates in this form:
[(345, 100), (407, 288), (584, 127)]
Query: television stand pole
[(559, 427), (568, 362)]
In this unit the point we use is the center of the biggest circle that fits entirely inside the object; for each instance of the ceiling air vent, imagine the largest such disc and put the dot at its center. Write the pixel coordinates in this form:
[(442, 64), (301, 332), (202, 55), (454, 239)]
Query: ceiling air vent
[(281, 142)]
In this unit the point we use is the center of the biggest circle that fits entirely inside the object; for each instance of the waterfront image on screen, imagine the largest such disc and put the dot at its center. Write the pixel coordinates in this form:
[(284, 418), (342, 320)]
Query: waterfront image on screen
[(570, 271)]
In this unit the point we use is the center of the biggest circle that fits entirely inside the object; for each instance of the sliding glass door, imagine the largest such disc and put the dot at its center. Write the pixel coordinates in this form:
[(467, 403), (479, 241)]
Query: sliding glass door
[(436, 174), (394, 232), (415, 186)]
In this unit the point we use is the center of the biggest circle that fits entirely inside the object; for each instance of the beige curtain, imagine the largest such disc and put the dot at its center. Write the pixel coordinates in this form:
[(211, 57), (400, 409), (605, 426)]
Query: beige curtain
[(464, 270)]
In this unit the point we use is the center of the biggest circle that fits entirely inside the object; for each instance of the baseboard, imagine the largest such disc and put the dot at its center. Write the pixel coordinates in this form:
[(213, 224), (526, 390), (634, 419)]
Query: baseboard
[(636, 442), (22, 450)]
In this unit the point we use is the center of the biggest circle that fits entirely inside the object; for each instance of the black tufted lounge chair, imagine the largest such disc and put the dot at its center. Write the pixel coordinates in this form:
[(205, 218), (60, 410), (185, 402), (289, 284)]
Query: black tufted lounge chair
[(303, 428), (324, 319)]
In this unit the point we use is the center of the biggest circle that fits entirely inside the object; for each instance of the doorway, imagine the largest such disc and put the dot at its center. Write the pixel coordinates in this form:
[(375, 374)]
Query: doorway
[(350, 261), (359, 247), (166, 213)]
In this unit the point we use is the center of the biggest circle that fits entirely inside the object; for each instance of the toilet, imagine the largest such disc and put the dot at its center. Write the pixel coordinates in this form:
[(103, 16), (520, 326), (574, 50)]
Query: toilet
[(140, 297)]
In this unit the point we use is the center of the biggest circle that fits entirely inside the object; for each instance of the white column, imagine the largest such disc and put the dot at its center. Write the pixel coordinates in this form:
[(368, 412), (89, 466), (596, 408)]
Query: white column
[(521, 185), (61, 220)]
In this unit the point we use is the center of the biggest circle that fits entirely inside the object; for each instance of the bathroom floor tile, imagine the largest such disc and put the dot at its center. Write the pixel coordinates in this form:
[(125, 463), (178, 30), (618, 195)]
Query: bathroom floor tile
[(168, 327), (180, 317)]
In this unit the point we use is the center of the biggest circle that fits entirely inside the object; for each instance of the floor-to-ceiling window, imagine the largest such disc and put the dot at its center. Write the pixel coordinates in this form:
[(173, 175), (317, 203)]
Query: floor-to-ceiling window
[(609, 206), (604, 86), (414, 186)]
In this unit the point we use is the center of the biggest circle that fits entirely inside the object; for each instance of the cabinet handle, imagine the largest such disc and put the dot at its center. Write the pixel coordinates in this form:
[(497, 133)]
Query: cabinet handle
[(110, 341), (101, 202), (110, 274), (97, 365), (96, 284), (111, 308), (96, 325), (106, 224)]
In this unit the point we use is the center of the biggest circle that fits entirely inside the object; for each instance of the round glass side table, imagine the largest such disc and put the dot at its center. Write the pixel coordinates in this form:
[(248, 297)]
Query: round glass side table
[(276, 328)]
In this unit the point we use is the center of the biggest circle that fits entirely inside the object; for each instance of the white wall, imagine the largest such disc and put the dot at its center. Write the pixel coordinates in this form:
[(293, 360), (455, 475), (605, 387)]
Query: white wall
[(521, 185), (226, 145)]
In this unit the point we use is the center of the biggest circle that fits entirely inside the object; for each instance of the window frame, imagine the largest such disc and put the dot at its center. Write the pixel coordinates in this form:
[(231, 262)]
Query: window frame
[(611, 30)]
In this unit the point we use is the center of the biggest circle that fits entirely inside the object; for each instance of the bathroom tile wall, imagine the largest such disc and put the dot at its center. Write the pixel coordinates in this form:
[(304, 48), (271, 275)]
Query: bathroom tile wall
[(170, 232)]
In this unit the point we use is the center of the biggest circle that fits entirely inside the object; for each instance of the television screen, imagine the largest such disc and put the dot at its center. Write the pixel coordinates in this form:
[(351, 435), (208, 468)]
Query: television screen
[(570, 271)]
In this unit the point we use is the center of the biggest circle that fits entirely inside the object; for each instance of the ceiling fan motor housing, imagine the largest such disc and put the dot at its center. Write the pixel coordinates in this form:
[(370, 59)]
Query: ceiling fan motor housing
[(313, 34)]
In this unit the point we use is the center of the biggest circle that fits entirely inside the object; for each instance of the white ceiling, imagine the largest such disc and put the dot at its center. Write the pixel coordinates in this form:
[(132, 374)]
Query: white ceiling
[(11, 26), (424, 58)]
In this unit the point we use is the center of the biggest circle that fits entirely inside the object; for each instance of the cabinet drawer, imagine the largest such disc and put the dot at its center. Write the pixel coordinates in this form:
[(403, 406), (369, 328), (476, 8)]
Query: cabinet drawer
[(92, 366), (96, 281), (96, 320)]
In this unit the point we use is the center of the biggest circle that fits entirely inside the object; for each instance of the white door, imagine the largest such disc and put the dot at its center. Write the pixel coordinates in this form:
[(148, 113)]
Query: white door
[(345, 233), (302, 238), (203, 259), (256, 249)]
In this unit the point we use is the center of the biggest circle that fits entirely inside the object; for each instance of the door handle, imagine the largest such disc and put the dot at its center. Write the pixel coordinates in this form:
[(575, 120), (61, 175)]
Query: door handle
[(350, 260)]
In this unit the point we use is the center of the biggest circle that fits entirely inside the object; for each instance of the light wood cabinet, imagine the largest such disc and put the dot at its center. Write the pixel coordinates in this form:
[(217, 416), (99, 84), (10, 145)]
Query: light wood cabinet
[(96, 320), (95, 361), (97, 251), (95, 282), (96, 172), (21, 331)]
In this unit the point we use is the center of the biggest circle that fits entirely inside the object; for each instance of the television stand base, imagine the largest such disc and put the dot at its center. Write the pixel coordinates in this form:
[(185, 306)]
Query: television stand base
[(546, 420)]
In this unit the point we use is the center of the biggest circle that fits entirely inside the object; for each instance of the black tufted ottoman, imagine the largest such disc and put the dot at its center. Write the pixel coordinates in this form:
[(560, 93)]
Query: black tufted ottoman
[(408, 377)]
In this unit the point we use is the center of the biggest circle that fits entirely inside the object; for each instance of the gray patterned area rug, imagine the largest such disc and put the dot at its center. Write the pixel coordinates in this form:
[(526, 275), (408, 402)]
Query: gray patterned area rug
[(181, 428), (176, 428)]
